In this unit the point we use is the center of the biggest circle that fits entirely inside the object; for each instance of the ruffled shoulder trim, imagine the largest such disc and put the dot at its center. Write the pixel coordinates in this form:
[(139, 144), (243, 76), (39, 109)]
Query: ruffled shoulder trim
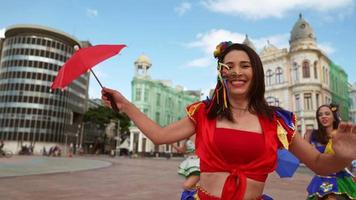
[(286, 122), (192, 109)]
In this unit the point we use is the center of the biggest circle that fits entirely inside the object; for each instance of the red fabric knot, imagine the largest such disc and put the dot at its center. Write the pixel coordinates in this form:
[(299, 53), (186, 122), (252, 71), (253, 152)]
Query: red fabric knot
[(235, 185)]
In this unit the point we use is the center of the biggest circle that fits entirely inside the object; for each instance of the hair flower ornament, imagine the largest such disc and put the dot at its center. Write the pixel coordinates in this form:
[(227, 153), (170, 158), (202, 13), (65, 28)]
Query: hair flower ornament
[(221, 48)]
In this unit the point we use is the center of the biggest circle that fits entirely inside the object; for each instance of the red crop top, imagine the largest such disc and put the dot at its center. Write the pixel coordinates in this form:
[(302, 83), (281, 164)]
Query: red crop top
[(215, 155), (239, 147)]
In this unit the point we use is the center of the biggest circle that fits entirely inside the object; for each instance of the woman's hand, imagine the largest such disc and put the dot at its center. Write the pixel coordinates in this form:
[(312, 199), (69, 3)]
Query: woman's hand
[(344, 141), (113, 99)]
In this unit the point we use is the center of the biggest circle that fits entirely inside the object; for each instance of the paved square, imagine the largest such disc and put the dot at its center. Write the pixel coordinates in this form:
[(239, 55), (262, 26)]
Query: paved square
[(126, 179)]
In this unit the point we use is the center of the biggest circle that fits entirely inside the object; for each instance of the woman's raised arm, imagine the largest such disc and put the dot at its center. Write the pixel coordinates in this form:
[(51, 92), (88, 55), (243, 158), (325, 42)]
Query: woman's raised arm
[(174, 132)]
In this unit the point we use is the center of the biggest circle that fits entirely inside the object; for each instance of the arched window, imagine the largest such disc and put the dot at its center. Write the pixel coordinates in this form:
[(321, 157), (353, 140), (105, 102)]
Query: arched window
[(279, 75), (269, 77), (324, 75), (306, 69), (295, 72), (316, 69)]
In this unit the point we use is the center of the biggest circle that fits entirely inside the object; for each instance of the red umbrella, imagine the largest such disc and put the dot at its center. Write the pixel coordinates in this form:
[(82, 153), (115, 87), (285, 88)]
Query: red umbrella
[(82, 61)]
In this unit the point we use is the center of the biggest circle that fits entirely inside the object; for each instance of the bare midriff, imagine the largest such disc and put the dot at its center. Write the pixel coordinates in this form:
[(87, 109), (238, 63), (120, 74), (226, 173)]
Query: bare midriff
[(213, 183)]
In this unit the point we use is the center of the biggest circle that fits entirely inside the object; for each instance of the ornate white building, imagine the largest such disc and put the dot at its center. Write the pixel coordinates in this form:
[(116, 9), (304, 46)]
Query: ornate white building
[(298, 79)]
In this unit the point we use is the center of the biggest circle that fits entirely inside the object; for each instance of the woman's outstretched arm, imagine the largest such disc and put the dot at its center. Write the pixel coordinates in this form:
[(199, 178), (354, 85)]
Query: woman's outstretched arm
[(344, 146), (174, 132)]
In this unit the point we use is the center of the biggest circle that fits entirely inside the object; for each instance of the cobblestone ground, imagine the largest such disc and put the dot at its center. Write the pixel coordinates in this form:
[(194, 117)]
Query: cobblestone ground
[(125, 179)]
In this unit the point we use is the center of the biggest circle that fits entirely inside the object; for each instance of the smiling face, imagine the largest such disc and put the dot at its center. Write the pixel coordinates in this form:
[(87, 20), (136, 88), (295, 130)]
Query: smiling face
[(325, 117), (240, 73)]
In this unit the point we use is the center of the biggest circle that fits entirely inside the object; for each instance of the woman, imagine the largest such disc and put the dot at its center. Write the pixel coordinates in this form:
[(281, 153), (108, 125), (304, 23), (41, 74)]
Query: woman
[(234, 120), (189, 168), (338, 185)]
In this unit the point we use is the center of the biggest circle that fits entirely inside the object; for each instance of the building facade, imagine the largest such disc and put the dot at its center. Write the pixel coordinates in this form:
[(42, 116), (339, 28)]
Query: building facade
[(339, 88), (352, 90), (301, 78), (32, 114), (160, 101)]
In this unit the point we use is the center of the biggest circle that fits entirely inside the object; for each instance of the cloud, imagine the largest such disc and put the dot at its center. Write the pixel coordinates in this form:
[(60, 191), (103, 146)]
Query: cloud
[(2, 33), (260, 9), (199, 62), (327, 48), (279, 40), (206, 43), (183, 8), (92, 12)]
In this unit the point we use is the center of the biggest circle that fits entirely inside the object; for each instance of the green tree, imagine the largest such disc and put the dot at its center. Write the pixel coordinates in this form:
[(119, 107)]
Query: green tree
[(102, 116)]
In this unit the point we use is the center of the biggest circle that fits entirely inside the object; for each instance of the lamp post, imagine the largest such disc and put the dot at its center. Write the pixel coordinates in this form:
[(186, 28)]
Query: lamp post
[(118, 133), (65, 143)]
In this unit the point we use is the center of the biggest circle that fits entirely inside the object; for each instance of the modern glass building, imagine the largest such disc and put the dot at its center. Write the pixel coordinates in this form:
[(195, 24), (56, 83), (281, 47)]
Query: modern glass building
[(32, 114)]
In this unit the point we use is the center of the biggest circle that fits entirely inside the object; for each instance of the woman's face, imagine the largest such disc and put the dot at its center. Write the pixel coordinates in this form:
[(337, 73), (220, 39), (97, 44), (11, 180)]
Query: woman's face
[(326, 117), (240, 73)]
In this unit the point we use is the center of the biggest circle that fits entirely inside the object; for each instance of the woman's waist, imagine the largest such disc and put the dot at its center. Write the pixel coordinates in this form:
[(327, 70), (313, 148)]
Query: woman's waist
[(213, 183)]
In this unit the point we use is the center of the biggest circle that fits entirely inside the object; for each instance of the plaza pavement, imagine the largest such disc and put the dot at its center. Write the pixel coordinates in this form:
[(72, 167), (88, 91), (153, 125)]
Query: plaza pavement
[(118, 178)]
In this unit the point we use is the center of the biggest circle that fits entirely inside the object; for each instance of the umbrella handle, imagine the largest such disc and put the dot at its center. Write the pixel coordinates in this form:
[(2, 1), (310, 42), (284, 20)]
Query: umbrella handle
[(112, 102)]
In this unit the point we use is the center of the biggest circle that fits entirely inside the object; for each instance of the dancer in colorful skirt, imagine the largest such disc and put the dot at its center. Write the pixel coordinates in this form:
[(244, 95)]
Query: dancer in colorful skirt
[(189, 168), (237, 132), (335, 186)]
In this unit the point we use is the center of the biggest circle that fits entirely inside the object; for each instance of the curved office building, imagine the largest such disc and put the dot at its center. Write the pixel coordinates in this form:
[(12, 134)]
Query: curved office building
[(31, 113)]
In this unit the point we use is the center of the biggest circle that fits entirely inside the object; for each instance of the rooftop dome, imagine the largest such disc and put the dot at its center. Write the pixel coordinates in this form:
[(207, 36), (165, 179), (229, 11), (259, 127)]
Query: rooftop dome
[(143, 59), (301, 30)]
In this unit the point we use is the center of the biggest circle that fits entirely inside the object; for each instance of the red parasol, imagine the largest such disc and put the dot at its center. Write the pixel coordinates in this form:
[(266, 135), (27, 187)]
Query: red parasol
[(82, 61)]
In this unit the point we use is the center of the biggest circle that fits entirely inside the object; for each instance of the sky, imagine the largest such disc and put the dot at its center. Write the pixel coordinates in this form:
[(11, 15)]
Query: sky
[(179, 37)]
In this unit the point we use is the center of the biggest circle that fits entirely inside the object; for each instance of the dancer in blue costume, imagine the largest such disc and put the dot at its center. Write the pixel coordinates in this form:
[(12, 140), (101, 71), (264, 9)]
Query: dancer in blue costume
[(336, 186)]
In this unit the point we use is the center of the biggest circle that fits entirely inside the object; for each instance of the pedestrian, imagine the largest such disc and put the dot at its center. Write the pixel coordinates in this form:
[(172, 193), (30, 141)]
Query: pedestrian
[(334, 186), (189, 168), (2, 144), (237, 132)]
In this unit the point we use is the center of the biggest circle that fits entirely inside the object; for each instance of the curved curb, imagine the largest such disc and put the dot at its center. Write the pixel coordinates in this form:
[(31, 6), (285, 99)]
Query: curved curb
[(48, 165)]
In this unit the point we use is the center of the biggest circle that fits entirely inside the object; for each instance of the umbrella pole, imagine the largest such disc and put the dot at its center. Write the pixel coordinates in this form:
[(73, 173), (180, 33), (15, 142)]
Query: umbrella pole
[(96, 78), (113, 104)]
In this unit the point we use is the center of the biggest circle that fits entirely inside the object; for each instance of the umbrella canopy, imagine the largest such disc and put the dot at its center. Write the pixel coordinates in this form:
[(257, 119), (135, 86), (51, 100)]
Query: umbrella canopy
[(287, 163), (82, 61)]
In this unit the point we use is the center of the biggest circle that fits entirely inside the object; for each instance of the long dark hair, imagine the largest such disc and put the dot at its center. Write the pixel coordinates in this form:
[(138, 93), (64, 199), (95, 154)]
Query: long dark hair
[(320, 134), (257, 103)]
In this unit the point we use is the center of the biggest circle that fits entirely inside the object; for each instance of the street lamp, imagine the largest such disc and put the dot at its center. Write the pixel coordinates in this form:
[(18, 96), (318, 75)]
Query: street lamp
[(117, 138)]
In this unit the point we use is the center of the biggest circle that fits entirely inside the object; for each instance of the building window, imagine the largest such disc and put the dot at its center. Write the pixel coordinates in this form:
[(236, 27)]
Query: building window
[(317, 100), (308, 103), (297, 102), (279, 75), (138, 94), (306, 69), (158, 100), (269, 77), (146, 95), (316, 69), (157, 117), (295, 72), (272, 101), (324, 75)]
